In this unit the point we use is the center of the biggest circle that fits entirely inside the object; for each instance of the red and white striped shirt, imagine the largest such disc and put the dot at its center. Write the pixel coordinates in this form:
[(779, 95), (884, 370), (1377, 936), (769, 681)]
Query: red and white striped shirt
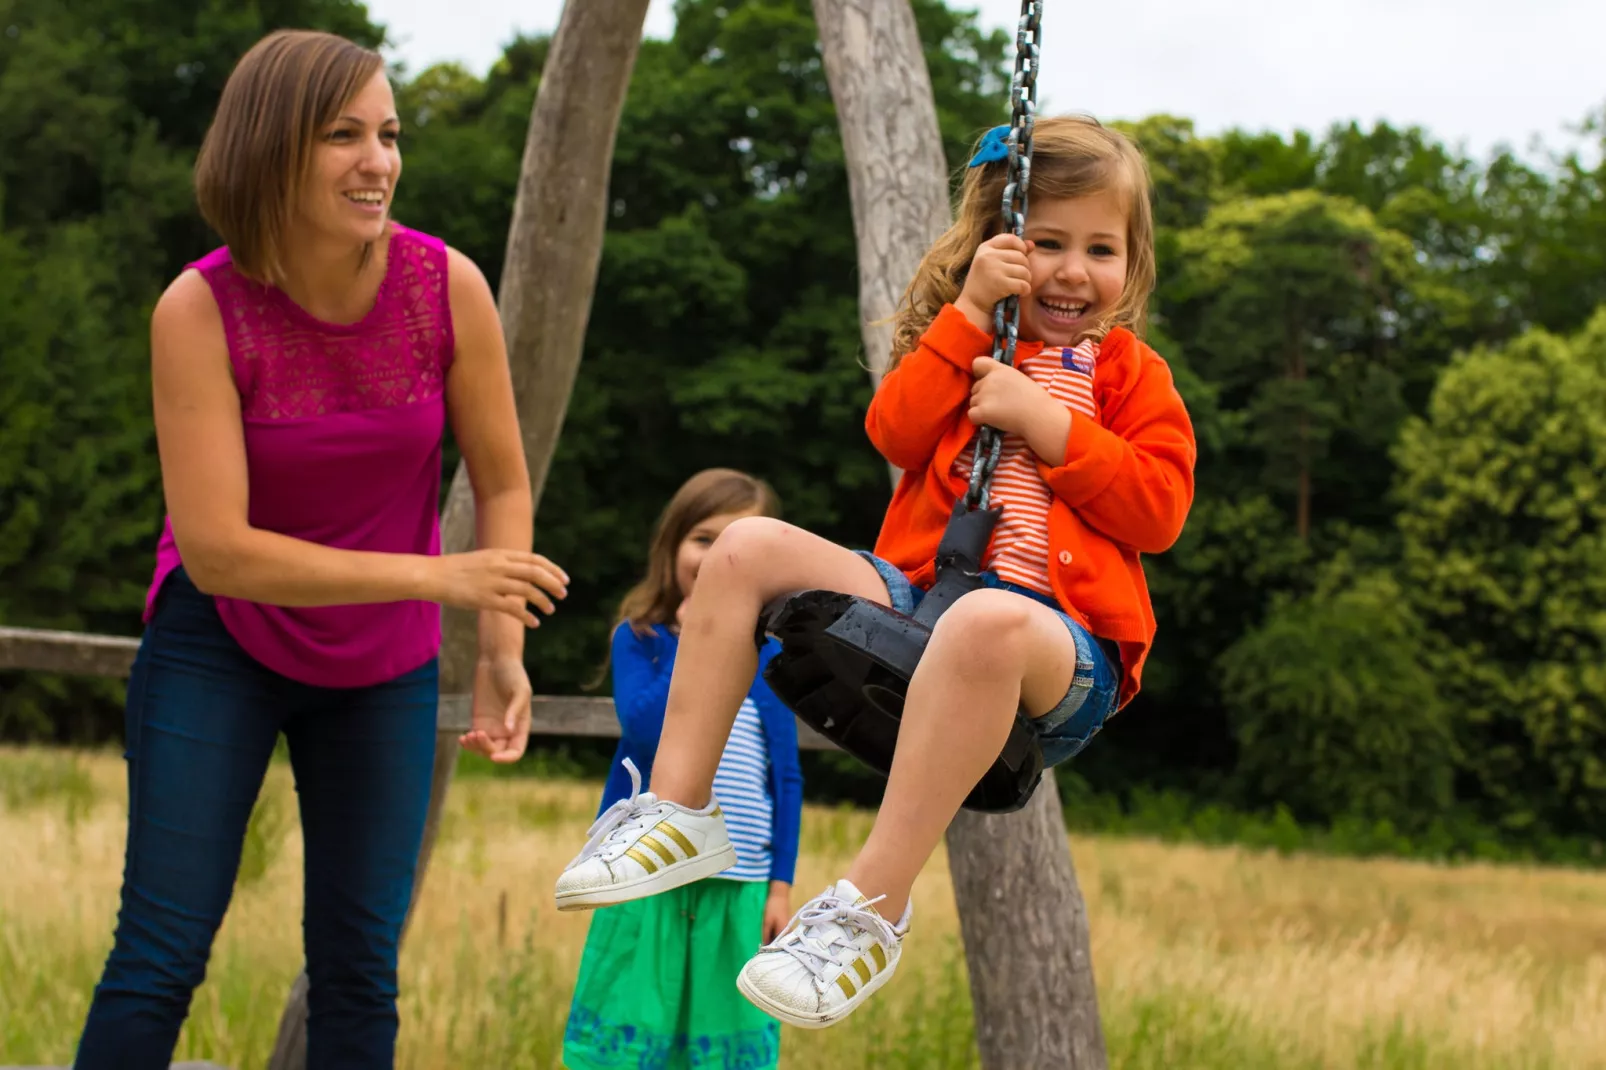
[(1020, 542)]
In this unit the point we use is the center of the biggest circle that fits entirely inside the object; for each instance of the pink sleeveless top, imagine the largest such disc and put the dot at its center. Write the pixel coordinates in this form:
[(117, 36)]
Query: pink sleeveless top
[(343, 427)]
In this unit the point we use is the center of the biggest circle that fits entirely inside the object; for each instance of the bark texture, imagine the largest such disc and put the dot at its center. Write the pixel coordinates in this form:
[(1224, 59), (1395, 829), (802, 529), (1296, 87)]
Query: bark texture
[(897, 178), (1021, 911)]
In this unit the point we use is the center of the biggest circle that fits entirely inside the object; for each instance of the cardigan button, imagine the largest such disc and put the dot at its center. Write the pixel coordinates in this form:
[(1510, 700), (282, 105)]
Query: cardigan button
[(1065, 557)]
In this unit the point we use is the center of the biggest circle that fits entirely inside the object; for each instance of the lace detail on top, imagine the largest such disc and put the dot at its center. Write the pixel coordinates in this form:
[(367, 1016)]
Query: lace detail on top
[(288, 364)]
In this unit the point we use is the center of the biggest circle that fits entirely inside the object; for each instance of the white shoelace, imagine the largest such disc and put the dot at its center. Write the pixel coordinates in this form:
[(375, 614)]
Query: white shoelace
[(621, 818), (815, 951)]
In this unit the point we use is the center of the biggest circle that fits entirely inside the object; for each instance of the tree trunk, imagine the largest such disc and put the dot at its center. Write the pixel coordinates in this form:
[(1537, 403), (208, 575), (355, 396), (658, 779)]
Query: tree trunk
[(1021, 911), (549, 275), (1297, 373), (897, 178), (1302, 511), (1027, 945)]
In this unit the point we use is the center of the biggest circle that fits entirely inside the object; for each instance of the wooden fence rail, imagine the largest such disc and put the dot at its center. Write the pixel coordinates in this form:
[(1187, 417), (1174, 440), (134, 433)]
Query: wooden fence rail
[(72, 653), (81, 654)]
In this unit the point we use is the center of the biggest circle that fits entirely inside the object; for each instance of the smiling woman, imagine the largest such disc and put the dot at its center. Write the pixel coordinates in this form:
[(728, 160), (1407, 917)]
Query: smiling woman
[(303, 375), (294, 94)]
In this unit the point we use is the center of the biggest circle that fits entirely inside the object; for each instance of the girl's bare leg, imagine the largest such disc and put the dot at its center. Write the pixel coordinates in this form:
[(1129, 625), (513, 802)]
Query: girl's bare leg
[(989, 653), (754, 561)]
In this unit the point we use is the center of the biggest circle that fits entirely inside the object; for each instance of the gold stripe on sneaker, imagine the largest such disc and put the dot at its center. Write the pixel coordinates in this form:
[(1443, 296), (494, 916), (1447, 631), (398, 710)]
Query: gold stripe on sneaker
[(846, 985), (862, 970), (658, 849), (641, 860), (880, 957), (679, 837)]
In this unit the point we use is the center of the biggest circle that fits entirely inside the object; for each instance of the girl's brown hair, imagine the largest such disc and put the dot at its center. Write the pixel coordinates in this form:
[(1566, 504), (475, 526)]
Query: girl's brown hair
[(258, 151), (1072, 156), (711, 492), (656, 598)]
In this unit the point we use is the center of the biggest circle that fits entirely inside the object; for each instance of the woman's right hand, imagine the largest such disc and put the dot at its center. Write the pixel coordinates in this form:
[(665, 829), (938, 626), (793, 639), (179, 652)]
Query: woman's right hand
[(998, 270), (504, 581)]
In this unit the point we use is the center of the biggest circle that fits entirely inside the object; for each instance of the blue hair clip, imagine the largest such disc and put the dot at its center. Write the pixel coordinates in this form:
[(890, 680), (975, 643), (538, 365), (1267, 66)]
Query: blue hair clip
[(995, 146)]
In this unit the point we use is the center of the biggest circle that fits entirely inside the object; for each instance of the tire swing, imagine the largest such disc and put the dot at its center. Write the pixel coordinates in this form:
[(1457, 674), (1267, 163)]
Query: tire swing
[(845, 662)]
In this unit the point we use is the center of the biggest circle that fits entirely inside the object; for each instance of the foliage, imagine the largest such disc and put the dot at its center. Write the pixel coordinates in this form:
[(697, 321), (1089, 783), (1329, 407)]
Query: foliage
[(1289, 305), (1504, 528), (1315, 291), (1333, 711)]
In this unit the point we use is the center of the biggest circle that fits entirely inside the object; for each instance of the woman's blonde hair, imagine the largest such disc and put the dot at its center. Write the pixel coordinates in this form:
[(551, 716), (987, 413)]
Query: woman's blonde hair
[(258, 151), (1072, 156)]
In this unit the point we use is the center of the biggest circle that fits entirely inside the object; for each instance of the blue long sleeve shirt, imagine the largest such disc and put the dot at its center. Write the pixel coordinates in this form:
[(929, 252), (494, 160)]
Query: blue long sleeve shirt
[(642, 665)]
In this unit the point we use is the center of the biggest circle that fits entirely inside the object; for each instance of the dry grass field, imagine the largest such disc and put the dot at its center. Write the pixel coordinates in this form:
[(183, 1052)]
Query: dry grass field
[(1205, 957)]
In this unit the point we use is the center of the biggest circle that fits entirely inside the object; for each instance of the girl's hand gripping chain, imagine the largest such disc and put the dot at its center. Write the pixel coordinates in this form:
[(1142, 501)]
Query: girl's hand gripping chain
[(1006, 398), (998, 270)]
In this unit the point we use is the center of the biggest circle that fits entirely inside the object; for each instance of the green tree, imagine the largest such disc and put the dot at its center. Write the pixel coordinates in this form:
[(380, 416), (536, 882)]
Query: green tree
[(1313, 287), (1333, 711), (1553, 253), (1286, 302), (1183, 169), (1264, 164), (1291, 363), (78, 494), (1503, 521)]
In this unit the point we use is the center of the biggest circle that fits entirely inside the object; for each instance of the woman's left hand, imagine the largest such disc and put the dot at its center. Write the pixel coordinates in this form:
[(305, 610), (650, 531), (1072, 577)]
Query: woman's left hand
[(501, 725), (777, 909)]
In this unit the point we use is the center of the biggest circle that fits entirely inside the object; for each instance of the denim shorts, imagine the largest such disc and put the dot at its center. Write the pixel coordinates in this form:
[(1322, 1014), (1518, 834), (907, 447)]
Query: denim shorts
[(1071, 725)]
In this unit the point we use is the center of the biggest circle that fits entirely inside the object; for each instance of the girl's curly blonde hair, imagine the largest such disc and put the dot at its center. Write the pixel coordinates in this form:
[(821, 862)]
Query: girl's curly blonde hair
[(1072, 156)]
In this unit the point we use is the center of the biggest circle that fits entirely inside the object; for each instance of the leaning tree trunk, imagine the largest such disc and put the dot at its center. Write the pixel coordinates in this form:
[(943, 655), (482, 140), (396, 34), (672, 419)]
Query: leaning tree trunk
[(548, 278), (896, 174), (1024, 925), (1021, 911)]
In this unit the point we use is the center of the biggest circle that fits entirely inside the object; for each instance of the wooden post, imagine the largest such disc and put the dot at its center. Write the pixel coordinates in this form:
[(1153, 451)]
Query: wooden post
[(548, 277), (1027, 946), (896, 173), (1021, 911)]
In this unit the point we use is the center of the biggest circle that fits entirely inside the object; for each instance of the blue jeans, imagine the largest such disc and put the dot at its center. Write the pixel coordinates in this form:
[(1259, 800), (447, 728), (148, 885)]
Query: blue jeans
[(201, 721), (1064, 731)]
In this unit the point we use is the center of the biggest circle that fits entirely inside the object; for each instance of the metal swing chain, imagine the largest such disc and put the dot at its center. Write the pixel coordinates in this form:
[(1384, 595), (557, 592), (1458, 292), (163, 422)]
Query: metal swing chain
[(1006, 314)]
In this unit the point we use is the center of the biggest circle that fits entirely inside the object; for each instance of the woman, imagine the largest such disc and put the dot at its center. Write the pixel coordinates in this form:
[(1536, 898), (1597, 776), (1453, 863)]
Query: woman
[(302, 378)]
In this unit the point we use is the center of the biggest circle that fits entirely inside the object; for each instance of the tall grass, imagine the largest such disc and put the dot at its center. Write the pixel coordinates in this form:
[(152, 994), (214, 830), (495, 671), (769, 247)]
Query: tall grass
[(1206, 957)]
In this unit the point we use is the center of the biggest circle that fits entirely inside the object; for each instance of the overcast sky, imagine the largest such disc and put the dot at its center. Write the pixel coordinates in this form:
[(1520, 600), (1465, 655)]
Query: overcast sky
[(1473, 72)]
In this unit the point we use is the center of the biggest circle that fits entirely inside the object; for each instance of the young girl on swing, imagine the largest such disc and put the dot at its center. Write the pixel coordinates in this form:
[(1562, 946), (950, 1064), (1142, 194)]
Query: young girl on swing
[(1096, 467)]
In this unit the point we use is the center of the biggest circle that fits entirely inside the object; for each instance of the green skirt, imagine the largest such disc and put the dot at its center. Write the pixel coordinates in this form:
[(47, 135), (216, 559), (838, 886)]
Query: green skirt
[(644, 1001)]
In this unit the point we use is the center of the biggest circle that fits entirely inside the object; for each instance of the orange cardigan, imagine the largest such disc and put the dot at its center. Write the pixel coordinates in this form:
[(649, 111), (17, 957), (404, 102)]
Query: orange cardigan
[(1124, 489)]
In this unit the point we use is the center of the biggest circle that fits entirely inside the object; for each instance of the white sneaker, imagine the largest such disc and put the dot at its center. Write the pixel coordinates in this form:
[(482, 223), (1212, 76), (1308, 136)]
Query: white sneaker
[(836, 951), (643, 845)]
